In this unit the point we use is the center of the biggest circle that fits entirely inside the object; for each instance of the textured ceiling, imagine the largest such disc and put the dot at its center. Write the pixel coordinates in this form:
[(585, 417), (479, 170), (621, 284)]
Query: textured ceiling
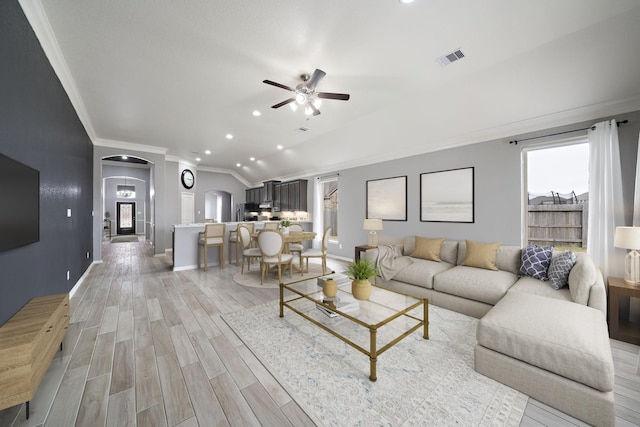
[(180, 75)]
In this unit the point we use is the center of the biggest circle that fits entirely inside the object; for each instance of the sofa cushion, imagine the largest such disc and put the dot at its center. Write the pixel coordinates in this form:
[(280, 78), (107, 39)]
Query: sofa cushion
[(533, 286), (427, 248), (448, 251), (473, 283), (567, 339), (481, 255), (583, 276), (421, 272), (560, 267), (508, 258), (535, 261)]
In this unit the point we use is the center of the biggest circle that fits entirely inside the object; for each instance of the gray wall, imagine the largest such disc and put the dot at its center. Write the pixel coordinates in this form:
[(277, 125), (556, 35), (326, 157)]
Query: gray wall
[(213, 181), (498, 189), (40, 128)]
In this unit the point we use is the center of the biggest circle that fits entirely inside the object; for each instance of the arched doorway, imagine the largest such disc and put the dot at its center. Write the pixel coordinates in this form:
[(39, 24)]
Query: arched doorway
[(217, 206)]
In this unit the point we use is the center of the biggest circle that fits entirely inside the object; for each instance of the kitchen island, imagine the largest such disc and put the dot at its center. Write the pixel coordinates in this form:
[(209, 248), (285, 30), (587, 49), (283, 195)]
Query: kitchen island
[(184, 239)]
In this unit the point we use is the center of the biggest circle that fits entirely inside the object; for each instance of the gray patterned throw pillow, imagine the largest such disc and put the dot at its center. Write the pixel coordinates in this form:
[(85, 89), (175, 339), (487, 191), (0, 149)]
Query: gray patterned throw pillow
[(535, 261), (560, 268)]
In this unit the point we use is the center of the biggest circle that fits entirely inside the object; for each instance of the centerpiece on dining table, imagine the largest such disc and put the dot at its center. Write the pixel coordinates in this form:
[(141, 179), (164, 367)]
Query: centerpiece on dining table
[(284, 226)]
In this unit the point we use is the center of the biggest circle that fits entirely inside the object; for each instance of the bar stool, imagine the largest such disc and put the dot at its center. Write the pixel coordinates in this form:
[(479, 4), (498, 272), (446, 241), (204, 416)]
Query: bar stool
[(234, 238), (213, 235)]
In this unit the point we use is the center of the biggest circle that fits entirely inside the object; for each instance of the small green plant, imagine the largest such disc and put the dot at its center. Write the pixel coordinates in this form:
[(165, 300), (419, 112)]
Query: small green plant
[(285, 223), (362, 269)]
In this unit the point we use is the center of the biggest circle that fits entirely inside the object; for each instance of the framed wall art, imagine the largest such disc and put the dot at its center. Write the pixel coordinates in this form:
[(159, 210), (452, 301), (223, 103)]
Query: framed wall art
[(447, 196), (387, 198)]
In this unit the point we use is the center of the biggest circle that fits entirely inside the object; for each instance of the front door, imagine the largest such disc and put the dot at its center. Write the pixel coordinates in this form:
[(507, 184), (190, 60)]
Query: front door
[(126, 220)]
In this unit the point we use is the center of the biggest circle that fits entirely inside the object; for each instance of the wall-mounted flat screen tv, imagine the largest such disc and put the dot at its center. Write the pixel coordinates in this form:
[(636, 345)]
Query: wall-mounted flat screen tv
[(20, 206)]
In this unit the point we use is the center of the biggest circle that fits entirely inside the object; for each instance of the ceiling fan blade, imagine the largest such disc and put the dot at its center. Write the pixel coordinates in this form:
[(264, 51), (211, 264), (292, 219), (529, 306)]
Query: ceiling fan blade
[(316, 112), (315, 78), (269, 82), (328, 95), (288, 101)]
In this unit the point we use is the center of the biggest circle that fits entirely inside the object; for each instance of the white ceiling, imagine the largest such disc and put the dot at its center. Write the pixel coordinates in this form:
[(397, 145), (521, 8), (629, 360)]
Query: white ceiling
[(180, 75)]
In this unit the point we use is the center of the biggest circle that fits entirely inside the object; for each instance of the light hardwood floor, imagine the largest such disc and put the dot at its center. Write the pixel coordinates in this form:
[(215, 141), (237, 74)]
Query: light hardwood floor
[(146, 346)]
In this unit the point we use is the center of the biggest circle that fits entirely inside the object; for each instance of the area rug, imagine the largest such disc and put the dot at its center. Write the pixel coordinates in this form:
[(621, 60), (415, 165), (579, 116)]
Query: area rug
[(420, 382), (124, 239), (252, 278)]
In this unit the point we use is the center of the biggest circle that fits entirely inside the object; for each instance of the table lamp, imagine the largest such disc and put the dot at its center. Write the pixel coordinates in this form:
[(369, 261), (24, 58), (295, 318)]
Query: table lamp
[(372, 225), (629, 238)]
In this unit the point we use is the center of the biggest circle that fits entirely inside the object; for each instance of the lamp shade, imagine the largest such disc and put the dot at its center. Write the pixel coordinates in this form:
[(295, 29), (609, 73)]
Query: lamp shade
[(627, 238), (372, 224)]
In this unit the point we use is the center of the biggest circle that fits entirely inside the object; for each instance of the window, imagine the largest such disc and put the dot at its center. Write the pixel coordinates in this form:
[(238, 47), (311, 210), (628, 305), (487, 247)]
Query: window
[(326, 207), (330, 204), (557, 195)]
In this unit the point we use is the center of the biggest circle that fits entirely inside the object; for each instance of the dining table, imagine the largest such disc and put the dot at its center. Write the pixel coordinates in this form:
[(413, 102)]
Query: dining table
[(291, 237)]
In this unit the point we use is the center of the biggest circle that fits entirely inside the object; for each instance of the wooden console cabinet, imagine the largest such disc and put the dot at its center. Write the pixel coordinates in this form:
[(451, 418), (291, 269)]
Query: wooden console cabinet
[(28, 342)]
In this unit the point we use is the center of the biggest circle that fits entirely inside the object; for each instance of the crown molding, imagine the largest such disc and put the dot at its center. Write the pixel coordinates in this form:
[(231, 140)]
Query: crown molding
[(37, 17), (122, 145)]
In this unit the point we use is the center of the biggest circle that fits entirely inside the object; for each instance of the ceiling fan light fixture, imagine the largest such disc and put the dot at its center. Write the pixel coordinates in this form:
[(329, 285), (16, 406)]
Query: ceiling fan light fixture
[(308, 110), (293, 106), (317, 102), (301, 98)]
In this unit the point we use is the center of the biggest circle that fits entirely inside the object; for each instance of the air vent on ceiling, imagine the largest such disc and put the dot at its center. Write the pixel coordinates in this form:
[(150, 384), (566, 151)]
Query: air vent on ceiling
[(303, 129), (450, 57)]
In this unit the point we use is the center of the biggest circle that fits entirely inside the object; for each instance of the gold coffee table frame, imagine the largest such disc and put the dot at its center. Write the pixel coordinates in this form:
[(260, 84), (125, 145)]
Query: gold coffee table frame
[(373, 352)]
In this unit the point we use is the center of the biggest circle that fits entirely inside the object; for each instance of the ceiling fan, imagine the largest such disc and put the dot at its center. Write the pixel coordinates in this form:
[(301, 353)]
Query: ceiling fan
[(306, 95)]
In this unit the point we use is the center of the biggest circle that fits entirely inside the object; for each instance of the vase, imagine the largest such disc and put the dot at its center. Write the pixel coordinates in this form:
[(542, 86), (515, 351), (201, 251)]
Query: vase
[(284, 230), (330, 288), (361, 289)]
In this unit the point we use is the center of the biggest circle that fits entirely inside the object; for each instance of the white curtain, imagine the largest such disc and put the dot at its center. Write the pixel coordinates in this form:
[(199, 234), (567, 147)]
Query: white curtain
[(605, 198), (318, 212), (636, 198)]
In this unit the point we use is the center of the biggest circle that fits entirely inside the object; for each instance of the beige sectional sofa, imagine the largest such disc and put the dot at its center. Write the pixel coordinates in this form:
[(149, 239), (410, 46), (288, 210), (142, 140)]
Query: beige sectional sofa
[(552, 345)]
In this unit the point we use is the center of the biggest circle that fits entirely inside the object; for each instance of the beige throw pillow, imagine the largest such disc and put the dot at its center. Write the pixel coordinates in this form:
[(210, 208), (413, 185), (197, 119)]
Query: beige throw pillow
[(481, 255), (427, 249)]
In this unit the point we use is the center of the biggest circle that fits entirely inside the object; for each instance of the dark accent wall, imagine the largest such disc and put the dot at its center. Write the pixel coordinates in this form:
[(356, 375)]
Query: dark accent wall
[(40, 128)]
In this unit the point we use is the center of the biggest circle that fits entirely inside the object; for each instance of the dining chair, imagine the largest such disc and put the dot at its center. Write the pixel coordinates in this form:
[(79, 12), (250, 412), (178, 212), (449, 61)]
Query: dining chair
[(316, 253), (271, 225), (234, 239), (295, 247), (271, 244), (244, 234), (213, 235)]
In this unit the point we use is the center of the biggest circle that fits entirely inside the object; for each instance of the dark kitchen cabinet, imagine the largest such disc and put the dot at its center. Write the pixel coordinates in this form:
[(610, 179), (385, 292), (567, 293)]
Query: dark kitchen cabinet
[(254, 195), (293, 195), (284, 196)]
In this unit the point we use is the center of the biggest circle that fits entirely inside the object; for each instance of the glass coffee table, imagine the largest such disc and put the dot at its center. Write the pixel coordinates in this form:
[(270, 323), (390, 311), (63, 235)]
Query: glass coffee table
[(387, 316)]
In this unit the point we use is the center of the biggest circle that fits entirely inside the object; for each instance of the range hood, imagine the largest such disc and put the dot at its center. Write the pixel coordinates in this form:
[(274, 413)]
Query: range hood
[(268, 194)]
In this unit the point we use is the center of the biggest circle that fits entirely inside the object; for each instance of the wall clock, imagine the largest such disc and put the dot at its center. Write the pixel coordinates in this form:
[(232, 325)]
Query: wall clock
[(187, 179)]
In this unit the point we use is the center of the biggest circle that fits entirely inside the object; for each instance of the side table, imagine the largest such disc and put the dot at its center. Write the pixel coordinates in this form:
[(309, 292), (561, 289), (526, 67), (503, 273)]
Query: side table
[(360, 249), (622, 329)]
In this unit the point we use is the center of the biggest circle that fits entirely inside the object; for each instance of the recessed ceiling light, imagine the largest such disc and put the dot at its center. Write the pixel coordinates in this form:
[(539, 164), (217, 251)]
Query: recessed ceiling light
[(253, 159), (279, 147), (229, 136), (406, 1), (207, 151), (238, 165), (198, 159), (256, 113)]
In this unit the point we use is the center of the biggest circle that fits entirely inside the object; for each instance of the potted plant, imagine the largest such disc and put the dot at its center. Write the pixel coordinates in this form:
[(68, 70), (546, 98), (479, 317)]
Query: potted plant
[(361, 271), (284, 225)]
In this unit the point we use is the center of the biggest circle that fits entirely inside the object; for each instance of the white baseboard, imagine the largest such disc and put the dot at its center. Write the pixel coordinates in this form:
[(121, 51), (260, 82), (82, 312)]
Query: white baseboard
[(81, 279)]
